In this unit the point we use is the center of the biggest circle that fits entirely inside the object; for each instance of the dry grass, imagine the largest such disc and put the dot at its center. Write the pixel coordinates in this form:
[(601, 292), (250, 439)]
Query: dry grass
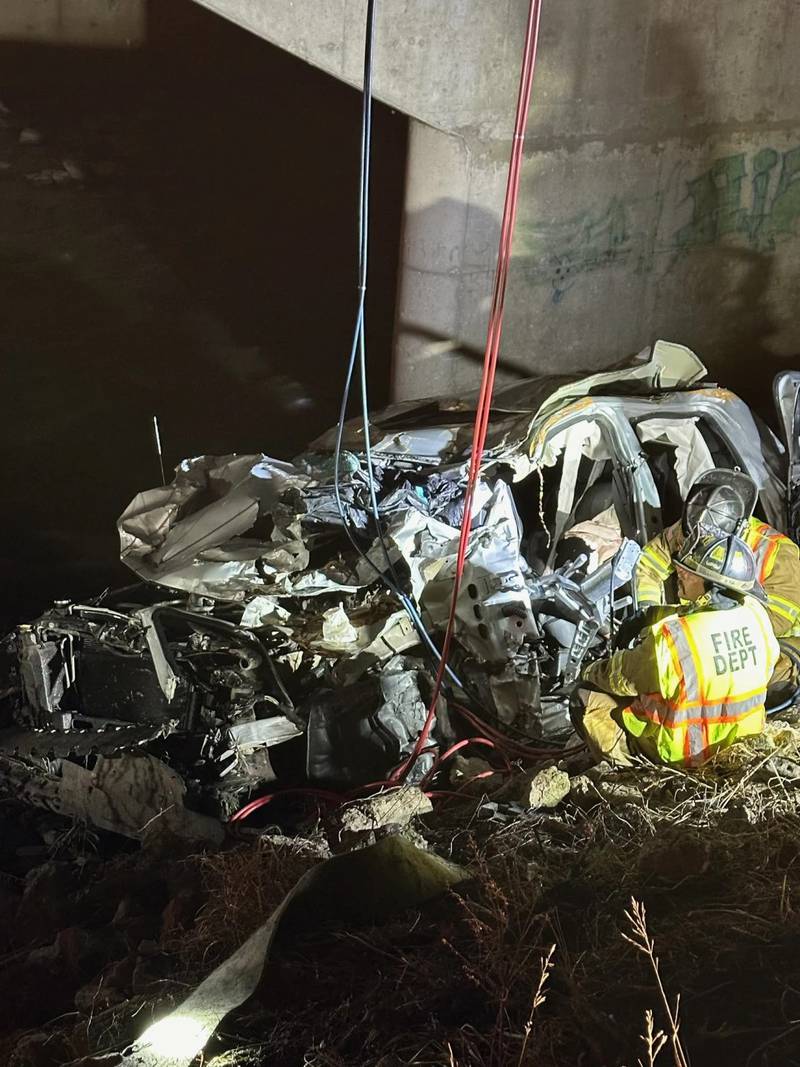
[(538, 962), (241, 888), (641, 940), (714, 858)]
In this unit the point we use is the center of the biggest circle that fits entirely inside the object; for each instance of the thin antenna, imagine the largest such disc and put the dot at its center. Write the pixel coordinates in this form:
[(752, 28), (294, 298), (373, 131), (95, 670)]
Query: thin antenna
[(159, 453)]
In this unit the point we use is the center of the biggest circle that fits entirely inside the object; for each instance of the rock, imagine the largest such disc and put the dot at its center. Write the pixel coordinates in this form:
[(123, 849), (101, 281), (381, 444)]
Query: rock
[(301, 846), (149, 970), (93, 997), (73, 168), (84, 952), (128, 909), (47, 954), (141, 930), (779, 769), (603, 784), (30, 135), (75, 954), (547, 788), (394, 808), (583, 791), (148, 948), (120, 974), (49, 176)]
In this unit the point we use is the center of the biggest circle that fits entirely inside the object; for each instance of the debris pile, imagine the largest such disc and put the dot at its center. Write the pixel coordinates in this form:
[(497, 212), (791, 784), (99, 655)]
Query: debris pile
[(276, 660), (284, 634)]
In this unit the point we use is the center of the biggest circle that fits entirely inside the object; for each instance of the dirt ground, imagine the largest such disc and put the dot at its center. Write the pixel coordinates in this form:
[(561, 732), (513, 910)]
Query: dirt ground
[(649, 891)]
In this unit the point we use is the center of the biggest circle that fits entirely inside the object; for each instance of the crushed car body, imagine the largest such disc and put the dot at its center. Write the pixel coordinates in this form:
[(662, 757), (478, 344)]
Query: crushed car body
[(266, 642)]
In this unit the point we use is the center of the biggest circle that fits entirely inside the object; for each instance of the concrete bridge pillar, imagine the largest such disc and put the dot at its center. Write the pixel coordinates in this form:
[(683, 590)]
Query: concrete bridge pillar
[(660, 189)]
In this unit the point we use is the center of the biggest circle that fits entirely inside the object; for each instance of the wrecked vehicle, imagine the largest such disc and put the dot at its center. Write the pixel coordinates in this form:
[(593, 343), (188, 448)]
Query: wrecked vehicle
[(266, 642)]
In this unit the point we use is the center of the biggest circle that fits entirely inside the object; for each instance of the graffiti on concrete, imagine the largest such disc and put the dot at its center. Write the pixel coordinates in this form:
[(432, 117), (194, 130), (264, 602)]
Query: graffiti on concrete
[(584, 243), (751, 198), (723, 204)]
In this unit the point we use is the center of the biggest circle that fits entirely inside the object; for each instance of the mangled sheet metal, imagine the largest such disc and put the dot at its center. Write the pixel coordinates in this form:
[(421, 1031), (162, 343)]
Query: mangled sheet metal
[(516, 410), (268, 644), (197, 534), (493, 614)]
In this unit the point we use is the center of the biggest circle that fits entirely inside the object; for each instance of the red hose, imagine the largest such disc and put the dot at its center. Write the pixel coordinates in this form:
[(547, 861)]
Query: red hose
[(512, 747), (483, 411), (259, 802), (462, 744), (459, 794), (493, 335)]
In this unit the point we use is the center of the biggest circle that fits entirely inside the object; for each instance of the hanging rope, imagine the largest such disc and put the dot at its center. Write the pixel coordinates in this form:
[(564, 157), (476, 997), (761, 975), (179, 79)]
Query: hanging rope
[(493, 336)]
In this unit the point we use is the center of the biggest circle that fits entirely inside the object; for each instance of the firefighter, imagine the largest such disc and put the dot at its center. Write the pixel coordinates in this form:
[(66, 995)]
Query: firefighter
[(722, 501), (697, 680)]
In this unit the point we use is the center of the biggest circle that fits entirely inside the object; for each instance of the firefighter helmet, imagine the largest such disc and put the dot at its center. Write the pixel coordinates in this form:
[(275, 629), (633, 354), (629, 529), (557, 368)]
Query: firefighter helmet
[(724, 561), (719, 501)]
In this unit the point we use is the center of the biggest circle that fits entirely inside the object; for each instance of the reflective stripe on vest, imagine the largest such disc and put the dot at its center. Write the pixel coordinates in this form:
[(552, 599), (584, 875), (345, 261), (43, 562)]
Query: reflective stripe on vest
[(713, 668), (652, 570), (764, 543)]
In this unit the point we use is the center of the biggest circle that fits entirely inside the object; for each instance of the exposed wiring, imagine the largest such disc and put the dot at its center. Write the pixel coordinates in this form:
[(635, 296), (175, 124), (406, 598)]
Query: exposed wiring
[(514, 749)]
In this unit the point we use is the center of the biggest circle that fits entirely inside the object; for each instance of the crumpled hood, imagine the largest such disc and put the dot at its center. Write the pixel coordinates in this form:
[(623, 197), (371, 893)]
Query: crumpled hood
[(438, 431)]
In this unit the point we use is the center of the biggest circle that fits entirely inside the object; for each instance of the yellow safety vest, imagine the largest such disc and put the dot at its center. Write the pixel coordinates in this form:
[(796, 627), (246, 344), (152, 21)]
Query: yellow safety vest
[(713, 669), (656, 565), (764, 542)]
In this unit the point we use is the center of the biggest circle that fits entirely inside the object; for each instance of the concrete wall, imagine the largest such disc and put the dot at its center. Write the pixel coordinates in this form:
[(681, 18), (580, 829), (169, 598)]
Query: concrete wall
[(661, 188), (92, 23), (443, 61)]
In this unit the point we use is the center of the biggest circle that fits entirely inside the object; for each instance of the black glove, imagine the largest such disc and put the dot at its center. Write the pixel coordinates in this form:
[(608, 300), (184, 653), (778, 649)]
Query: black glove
[(630, 631)]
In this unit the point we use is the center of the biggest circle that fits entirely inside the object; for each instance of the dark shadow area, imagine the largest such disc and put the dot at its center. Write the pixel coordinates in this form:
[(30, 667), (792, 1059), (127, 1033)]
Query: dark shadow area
[(734, 285), (178, 238)]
